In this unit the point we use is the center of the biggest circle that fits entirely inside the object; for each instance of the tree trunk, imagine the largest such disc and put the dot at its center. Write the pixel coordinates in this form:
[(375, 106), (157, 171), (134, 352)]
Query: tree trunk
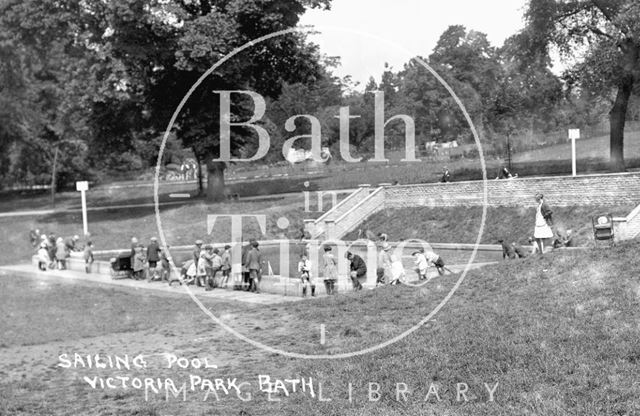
[(199, 173), (215, 181), (617, 119), (53, 177)]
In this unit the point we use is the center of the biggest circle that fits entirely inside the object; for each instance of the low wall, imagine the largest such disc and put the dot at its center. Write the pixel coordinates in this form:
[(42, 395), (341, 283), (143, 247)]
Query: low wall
[(606, 189)]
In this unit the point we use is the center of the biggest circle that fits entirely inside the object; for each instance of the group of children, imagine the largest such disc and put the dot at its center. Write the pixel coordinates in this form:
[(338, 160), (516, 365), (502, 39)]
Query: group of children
[(149, 263), (357, 271), (390, 269), (53, 251), (206, 262)]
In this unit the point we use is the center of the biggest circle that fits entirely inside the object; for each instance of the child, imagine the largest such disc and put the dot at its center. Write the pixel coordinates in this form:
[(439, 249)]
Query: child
[(304, 268), (330, 271), (520, 252), (397, 270), (88, 256), (204, 266), (436, 260), (153, 257), (188, 272), (216, 266), (254, 264), (507, 250), (43, 257), (139, 261), (384, 264), (165, 266), (421, 265), (61, 254), (226, 265), (357, 270)]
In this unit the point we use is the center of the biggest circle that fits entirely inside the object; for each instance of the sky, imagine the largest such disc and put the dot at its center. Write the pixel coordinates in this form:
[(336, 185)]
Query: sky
[(368, 33)]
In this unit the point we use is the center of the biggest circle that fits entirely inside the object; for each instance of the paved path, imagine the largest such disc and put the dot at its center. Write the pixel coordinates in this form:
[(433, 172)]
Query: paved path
[(28, 270)]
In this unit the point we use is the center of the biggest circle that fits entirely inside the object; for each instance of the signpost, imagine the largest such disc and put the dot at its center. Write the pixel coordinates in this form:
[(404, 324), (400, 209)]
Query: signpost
[(574, 134), (83, 187)]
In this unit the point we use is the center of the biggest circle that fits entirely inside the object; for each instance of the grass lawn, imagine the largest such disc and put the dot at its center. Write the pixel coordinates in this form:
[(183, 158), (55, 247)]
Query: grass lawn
[(558, 334), (182, 224), (461, 224), (597, 147)]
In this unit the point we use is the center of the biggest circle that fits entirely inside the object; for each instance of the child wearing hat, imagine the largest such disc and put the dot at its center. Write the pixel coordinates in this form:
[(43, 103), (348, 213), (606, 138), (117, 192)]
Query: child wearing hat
[(43, 257), (139, 262)]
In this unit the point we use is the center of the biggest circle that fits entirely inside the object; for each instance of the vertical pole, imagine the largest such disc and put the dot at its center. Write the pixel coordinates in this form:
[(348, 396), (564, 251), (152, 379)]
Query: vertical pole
[(83, 195), (509, 150), (53, 177), (573, 156)]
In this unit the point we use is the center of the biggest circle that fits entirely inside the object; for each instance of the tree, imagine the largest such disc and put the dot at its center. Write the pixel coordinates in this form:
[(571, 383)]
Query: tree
[(608, 34), (46, 75), (183, 39)]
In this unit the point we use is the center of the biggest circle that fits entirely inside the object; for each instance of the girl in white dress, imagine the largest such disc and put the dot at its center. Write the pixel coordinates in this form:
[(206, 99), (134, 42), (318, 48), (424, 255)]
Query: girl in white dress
[(542, 228)]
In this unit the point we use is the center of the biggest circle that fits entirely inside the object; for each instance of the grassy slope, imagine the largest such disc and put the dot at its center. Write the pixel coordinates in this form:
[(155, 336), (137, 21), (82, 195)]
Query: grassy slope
[(461, 224), (559, 335)]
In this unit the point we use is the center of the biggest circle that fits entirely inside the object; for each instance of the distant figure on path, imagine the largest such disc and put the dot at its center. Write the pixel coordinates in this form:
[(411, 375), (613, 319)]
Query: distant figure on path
[(505, 174), (446, 175), (543, 223)]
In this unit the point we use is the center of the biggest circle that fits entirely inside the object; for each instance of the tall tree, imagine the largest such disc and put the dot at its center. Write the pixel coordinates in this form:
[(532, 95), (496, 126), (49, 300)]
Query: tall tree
[(46, 77), (607, 33)]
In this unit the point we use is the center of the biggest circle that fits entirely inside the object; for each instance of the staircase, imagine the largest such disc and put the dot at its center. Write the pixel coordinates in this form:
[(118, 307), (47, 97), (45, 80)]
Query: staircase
[(627, 228), (346, 215)]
